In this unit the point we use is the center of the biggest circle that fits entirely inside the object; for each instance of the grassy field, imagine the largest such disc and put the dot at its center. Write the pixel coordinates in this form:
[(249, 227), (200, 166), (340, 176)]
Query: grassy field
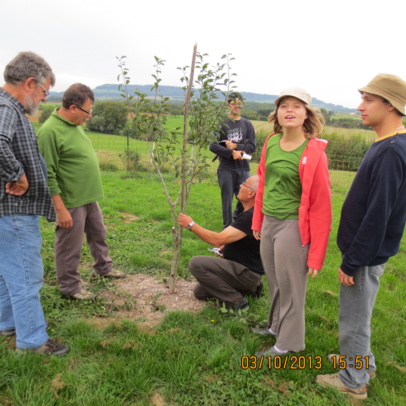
[(192, 359)]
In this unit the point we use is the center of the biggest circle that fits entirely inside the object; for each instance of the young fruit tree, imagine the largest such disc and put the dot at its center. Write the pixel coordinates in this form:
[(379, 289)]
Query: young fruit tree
[(180, 149)]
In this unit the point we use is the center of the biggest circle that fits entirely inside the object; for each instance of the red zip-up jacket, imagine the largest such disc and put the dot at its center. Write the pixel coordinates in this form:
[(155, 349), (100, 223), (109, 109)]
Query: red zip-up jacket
[(315, 203)]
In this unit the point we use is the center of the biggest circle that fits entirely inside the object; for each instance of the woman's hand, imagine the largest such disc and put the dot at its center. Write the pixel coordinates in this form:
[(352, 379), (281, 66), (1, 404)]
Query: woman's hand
[(312, 272)]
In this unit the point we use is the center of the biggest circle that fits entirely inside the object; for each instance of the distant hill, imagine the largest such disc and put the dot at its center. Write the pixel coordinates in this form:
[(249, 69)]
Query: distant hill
[(176, 93)]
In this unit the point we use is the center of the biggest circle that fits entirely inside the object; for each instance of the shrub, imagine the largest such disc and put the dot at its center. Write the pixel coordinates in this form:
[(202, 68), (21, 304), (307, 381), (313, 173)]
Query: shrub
[(46, 111), (260, 137), (132, 161), (108, 117), (345, 153), (107, 166)]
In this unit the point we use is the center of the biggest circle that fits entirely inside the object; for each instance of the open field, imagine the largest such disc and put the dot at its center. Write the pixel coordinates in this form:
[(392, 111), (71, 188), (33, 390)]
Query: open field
[(109, 147), (189, 359)]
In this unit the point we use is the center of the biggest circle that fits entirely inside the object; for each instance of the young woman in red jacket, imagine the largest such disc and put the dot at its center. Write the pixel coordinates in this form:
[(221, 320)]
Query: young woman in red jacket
[(292, 215)]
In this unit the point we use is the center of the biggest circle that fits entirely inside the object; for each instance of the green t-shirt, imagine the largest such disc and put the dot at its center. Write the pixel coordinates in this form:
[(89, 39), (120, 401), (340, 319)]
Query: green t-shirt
[(282, 188), (73, 167)]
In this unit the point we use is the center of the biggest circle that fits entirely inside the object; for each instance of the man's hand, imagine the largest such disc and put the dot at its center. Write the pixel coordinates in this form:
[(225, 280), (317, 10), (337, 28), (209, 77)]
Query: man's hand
[(257, 234), (17, 188), (312, 272), (345, 279), (221, 249), (231, 145), (63, 218), (237, 154), (184, 220)]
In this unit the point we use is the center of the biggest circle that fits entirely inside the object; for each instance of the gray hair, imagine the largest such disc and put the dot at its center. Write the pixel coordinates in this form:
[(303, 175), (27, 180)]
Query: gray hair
[(254, 182), (26, 65)]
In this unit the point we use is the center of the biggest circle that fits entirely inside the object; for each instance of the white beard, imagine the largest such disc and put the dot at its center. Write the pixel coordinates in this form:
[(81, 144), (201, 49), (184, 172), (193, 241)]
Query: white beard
[(30, 107)]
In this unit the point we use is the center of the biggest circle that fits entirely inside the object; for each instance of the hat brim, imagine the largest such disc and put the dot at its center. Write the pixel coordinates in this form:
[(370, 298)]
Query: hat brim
[(277, 101)]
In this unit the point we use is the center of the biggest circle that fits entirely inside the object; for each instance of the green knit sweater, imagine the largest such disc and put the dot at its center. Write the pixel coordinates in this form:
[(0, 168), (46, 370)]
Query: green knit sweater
[(73, 168)]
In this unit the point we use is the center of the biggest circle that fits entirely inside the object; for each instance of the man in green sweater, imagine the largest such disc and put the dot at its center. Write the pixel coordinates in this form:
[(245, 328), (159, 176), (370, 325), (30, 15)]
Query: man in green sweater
[(75, 184)]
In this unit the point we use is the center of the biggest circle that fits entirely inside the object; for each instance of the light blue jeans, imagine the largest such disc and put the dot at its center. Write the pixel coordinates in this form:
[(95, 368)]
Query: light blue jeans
[(355, 312), (21, 278)]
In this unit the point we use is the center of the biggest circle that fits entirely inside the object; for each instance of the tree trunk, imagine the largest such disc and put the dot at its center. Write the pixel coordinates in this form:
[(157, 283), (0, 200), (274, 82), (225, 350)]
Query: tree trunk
[(177, 243), (176, 230)]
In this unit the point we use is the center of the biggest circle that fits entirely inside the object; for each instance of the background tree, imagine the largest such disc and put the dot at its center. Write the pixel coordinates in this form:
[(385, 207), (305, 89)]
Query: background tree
[(46, 110), (108, 117), (180, 149)]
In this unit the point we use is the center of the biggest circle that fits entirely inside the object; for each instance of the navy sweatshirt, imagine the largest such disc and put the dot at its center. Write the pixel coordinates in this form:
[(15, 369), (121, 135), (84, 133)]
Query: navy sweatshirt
[(374, 213)]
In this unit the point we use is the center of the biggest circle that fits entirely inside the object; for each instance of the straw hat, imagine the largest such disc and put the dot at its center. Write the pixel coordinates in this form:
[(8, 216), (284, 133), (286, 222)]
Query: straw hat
[(390, 87)]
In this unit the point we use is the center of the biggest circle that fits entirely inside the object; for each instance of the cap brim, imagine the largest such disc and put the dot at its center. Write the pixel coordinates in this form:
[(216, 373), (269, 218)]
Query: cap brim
[(276, 102)]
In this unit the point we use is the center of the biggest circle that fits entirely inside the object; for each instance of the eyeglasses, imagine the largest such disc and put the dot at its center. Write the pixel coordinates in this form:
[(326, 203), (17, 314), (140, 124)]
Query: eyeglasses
[(85, 111), (245, 184), (46, 92)]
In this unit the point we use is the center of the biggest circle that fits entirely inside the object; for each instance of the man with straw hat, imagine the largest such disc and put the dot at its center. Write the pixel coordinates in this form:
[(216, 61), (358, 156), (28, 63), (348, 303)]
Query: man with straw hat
[(371, 227)]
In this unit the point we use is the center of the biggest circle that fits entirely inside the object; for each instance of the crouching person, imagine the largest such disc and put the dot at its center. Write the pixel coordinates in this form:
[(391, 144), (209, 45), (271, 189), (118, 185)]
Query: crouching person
[(239, 272)]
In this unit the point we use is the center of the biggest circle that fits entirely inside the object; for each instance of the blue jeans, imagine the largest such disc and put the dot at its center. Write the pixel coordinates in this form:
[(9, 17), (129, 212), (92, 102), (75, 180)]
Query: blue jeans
[(355, 312), (21, 278)]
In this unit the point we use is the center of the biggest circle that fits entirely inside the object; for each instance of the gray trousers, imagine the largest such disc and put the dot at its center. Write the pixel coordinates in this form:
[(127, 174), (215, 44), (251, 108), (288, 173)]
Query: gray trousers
[(230, 182), (222, 279), (285, 264), (87, 220), (355, 312)]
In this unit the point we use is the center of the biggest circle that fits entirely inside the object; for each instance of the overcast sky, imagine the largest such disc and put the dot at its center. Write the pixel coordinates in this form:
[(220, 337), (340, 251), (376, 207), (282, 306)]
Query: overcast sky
[(328, 48)]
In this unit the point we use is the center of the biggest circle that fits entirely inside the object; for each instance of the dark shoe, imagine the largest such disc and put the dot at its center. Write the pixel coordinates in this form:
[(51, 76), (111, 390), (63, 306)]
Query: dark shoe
[(114, 274), (262, 331), (51, 347), (7, 333), (258, 292), (335, 359), (334, 381)]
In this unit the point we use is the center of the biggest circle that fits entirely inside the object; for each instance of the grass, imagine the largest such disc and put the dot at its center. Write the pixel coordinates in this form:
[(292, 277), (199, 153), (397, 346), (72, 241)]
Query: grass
[(192, 359)]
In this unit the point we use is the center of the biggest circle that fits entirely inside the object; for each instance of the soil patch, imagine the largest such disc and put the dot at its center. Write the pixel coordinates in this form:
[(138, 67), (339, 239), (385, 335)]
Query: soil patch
[(145, 300)]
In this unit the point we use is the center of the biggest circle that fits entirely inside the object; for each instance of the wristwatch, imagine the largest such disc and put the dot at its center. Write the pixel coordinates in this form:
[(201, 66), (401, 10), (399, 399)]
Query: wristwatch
[(190, 225)]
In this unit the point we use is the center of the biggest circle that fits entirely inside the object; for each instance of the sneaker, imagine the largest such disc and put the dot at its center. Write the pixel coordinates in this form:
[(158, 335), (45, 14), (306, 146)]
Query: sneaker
[(331, 357), (334, 381), (264, 331), (7, 333), (51, 347), (113, 274), (83, 295), (270, 352)]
